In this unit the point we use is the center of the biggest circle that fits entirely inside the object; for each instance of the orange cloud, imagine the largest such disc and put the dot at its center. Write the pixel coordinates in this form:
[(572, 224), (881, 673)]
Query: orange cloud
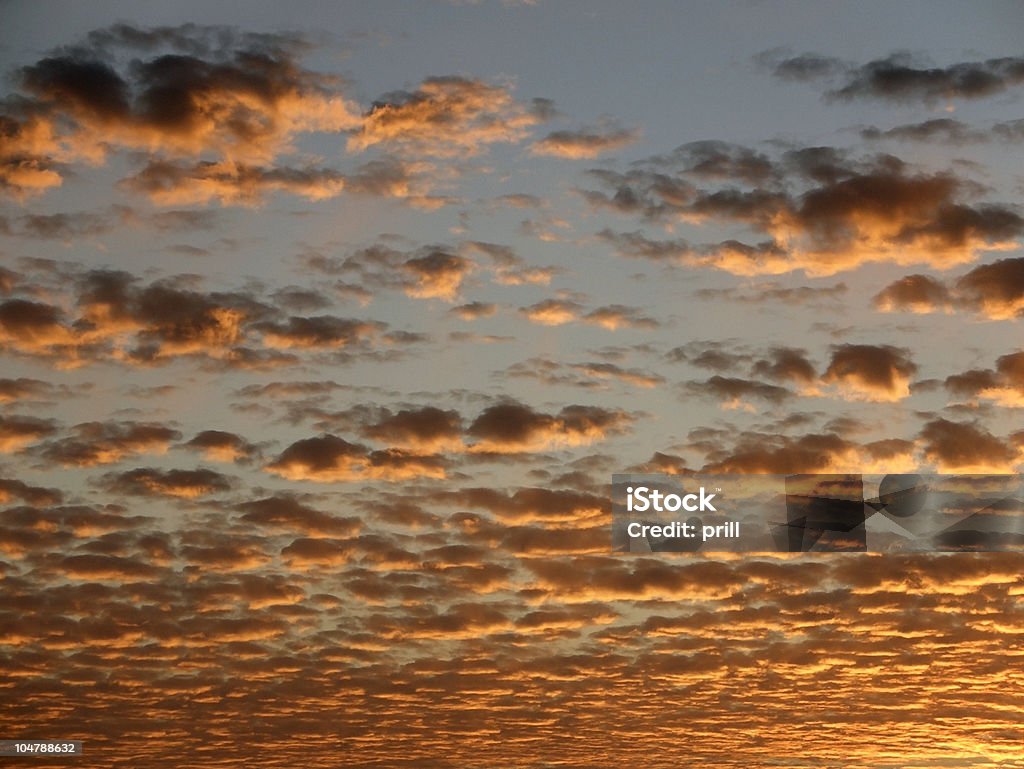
[(871, 372), (445, 117), (963, 447), (584, 143), (328, 458), (514, 427)]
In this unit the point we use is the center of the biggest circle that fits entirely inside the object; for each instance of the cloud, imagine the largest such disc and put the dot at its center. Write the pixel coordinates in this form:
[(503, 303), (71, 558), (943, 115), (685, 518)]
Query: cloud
[(445, 117), (914, 293), (328, 458), (786, 364), (818, 209), (1004, 385), (709, 355), (552, 312), (25, 388), (514, 427), (101, 443), (584, 143), (152, 482), (870, 372), (304, 552), (118, 318), (772, 291), (717, 160), (781, 454), (29, 155), (899, 78), (736, 393), (428, 429), (560, 311), (943, 130), (28, 326), (286, 513), (534, 504), (436, 275), (316, 332), (221, 446), (426, 273), (994, 290), (804, 67), (244, 99), (230, 182), (963, 447), (37, 496), (616, 316), (475, 310), (508, 267), (19, 431), (588, 375)]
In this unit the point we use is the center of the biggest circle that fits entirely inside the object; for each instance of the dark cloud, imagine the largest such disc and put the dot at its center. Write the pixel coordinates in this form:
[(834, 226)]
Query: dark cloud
[(18, 431), (118, 318), (27, 326), (101, 443), (328, 458), (317, 332), (871, 372), (152, 482), (219, 445), (1004, 384), (819, 210), (36, 496), (764, 453), (242, 98), (944, 130), (722, 161), (916, 293), (736, 393), (994, 290), (428, 429), (475, 310), (24, 388), (804, 67), (534, 504), (899, 78), (966, 448), (708, 355), (515, 427), (230, 183), (786, 364), (430, 272), (287, 513)]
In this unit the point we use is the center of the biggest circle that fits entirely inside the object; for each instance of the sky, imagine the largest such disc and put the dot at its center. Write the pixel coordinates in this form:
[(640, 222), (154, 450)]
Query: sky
[(324, 327)]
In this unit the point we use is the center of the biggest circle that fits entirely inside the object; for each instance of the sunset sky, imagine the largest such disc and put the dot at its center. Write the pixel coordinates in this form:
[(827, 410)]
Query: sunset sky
[(324, 327)]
